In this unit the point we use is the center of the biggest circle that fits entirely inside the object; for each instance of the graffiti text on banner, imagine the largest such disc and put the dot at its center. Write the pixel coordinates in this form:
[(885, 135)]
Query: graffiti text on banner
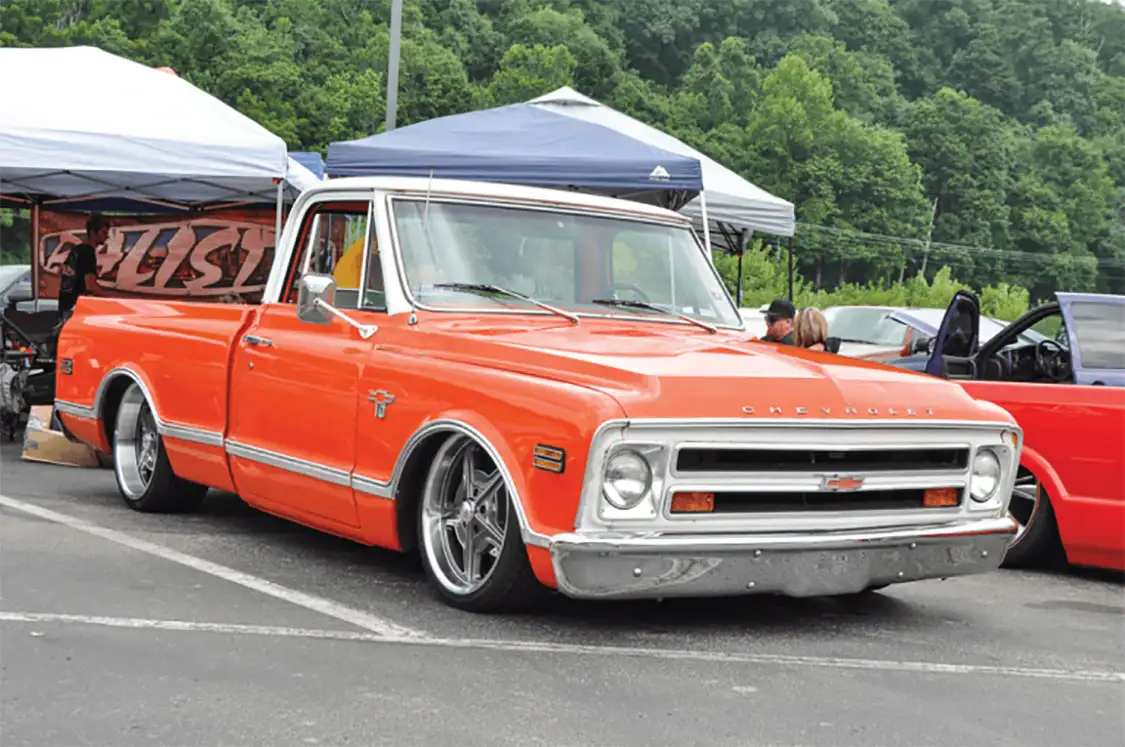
[(205, 256)]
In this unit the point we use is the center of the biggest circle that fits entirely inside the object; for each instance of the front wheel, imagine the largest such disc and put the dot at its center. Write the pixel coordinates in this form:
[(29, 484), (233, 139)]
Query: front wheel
[(1037, 541), (144, 476), (469, 533)]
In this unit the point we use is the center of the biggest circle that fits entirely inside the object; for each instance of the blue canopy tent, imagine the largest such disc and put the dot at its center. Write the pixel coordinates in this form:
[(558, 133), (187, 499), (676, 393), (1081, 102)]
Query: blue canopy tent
[(311, 160), (523, 144)]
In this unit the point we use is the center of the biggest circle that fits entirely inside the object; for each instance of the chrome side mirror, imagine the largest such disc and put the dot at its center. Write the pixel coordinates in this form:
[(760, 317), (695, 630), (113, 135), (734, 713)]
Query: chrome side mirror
[(312, 288)]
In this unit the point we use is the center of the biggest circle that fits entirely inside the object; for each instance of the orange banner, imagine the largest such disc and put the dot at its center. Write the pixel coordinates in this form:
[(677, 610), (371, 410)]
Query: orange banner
[(227, 253)]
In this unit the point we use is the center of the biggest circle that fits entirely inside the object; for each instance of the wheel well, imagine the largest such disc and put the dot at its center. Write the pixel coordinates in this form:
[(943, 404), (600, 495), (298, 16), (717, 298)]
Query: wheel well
[(115, 390), (412, 481)]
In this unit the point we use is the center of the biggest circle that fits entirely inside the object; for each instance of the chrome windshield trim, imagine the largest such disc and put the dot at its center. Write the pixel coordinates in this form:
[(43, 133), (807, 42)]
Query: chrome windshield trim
[(404, 284)]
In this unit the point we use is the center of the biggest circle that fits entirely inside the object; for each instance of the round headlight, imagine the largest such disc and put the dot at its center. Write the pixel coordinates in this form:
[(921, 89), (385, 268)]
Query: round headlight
[(986, 476), (628, 477)]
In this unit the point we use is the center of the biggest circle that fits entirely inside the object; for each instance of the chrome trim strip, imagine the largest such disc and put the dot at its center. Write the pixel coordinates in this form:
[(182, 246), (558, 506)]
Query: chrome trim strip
[(374, 487), (530, 537), (619, 542), (78, 411), (297, 466), (189, 433)]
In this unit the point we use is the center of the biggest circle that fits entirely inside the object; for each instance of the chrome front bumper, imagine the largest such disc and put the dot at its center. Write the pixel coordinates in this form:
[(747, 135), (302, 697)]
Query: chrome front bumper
[(639, 566)]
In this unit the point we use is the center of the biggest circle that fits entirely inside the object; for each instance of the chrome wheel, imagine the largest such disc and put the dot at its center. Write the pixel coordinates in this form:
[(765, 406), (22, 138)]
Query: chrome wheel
[(465, 516), (137, 444), (1024, 504)]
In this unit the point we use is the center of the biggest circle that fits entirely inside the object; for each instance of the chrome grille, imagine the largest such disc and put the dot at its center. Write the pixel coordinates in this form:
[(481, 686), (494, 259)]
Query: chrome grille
[(736, 459)]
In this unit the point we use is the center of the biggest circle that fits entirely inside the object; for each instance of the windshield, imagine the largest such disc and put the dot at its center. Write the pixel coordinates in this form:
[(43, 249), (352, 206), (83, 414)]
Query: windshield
[(564, 259), (867, 325), (10, 273)]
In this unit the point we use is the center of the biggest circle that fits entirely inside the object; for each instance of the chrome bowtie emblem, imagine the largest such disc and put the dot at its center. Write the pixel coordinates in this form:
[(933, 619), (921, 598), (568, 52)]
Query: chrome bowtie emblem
[(381, 399), (841, 483)]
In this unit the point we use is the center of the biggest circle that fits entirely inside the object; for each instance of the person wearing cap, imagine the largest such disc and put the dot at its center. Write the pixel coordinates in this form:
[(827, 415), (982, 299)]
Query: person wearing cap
[(779, 321)]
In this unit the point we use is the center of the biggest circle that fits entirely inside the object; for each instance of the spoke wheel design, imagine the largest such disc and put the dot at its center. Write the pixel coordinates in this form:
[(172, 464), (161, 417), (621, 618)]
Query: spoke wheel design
[(144, 475), (465, 516), (137, 447)]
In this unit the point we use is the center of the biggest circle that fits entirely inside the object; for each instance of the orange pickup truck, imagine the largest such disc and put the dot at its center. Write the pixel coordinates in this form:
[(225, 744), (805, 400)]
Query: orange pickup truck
[(535, 388)]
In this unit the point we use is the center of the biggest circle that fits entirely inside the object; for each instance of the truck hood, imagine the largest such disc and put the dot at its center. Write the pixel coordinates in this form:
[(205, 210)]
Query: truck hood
[(657, 370)]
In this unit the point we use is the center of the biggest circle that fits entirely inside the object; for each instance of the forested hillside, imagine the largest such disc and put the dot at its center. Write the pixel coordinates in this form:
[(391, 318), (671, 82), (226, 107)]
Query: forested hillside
[(987, 135)]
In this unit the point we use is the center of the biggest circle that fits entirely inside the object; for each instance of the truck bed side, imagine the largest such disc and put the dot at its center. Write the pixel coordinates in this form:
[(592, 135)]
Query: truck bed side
[(179, 353)]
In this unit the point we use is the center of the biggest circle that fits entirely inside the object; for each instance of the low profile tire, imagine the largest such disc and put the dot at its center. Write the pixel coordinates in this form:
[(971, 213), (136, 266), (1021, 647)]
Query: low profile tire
[(1037, 543), (144, 476), (469, 533)]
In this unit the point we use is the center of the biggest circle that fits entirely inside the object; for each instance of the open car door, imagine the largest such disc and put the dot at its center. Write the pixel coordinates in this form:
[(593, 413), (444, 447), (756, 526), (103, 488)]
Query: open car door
[(957, 339)]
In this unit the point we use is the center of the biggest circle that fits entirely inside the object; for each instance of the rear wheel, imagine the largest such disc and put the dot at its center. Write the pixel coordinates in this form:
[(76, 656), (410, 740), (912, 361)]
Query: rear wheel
[(469, 532), (1037, 541), (144, 476)]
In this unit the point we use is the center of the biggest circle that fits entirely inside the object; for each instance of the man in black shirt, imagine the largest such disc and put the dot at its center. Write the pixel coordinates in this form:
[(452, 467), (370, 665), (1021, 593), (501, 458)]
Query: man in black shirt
[(779, 321), (80, 272)]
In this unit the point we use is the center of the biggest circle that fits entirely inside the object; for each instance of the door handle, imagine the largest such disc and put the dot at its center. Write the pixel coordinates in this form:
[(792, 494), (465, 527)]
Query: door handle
[(255, 340)]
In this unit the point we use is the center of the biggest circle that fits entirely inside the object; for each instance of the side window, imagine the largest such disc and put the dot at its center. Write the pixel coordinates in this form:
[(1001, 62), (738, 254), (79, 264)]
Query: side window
[(1099, 331), (335, 239)]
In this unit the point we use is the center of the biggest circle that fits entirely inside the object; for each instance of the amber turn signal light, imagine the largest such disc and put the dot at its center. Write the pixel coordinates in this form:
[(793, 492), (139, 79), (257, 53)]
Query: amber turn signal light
[(693, 503), (938, 497)]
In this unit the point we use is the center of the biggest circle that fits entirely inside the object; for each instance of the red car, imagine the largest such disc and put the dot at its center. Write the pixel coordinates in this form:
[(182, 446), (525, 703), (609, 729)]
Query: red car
[(1066, 389)]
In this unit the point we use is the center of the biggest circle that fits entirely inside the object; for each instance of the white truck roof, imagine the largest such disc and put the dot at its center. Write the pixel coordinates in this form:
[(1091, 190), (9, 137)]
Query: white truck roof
[(464, 188)]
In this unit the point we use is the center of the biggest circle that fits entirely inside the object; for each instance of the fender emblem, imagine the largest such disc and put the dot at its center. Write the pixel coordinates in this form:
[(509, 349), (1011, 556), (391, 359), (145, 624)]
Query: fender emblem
[(841, 484), (381, 399)]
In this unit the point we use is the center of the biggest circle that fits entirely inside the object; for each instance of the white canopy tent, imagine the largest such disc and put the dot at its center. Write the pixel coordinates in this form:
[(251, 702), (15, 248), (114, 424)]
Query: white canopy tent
[(125, 131), (129, 138), (728, 204)]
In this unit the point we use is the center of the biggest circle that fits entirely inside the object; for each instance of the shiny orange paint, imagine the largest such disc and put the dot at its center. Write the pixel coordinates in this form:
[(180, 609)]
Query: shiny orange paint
[(517, 381), (1074, 443)]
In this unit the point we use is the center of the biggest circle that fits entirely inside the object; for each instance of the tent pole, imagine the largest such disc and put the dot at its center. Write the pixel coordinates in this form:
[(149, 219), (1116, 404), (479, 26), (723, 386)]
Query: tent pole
[(790, 245), (35, 255), (706, 225), (277, 218), (392, 64), (740, 278)]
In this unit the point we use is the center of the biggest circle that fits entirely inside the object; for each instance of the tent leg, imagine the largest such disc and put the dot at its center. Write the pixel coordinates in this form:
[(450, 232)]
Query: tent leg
[(35, 255), (277, 218), (790, 245), (740, 280), (706, 226)]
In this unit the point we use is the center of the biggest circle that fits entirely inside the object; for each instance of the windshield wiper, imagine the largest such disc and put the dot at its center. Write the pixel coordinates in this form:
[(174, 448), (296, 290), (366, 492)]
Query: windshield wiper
[(496, 289), (652, 307)]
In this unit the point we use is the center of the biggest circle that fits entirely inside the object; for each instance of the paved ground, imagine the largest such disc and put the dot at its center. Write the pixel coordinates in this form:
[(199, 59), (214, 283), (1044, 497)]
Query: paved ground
[(232, 627)]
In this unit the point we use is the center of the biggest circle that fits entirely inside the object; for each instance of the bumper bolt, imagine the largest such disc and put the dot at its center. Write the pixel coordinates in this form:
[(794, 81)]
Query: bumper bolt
[(757, 553), (750, 585), (984, 553), (913, 545), (901, 574), (636, 573)]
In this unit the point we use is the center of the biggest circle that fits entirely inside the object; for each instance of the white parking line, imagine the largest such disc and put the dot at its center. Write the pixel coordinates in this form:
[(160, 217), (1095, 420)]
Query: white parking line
[(359, 618), (379, 630), (920, 667)]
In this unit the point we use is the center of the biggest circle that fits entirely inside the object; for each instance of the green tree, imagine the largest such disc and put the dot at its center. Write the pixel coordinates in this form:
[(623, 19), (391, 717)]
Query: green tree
[(527, 72)]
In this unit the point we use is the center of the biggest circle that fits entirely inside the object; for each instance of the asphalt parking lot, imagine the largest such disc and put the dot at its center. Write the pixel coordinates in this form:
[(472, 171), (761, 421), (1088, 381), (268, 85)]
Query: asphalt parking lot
[(233, 627)]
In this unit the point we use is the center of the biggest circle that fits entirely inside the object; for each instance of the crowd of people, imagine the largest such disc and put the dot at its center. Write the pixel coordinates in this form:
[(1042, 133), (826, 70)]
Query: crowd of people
[(806, 328)]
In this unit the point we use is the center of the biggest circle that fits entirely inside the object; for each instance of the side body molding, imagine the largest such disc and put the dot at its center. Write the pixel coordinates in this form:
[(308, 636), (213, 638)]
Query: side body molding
[(387, 491)]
